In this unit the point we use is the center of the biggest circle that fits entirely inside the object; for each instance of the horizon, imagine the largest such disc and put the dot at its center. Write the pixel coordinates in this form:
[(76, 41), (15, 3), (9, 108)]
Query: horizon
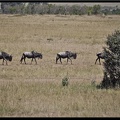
[(87, 3)]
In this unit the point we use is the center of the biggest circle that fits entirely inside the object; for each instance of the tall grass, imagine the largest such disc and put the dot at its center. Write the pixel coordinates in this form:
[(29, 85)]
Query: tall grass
[(48, 98), (36, 90)]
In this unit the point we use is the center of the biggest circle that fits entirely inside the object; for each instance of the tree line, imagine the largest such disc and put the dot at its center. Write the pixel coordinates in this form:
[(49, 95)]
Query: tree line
[(46, 8)]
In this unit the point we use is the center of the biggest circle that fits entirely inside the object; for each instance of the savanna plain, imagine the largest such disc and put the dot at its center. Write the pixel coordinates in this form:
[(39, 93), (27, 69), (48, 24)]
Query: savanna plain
[(36, 90)]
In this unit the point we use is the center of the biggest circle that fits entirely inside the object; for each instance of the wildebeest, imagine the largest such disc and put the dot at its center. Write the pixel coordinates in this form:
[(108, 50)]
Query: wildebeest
[(32, 55), (99, 55), (5, 56), (66, 54)]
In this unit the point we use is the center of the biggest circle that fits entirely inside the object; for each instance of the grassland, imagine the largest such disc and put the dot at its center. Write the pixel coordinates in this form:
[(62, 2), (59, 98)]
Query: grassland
[(36, 90)]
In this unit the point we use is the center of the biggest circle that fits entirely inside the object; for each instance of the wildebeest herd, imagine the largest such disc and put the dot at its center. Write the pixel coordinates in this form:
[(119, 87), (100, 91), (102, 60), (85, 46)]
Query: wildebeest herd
[(33, 55)]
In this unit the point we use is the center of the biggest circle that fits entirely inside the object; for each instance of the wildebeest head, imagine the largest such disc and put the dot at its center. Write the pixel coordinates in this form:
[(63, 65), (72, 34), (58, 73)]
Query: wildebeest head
[(71, 54), (38, 55), (10, 58), (74, 55)]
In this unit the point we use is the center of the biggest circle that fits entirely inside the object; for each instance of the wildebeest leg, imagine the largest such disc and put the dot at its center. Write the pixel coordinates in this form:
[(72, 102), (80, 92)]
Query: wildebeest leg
[(69, 59), (35, 60), (99, 61), (96, 60), (60, 61), (56, 59), (6, 62), (3, 62), (21, 59), (31, 60), (24, 60)]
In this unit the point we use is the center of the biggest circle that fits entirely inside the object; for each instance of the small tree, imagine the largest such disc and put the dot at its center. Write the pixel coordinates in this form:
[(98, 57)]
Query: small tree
[(111, 64), (96, 9), (65, 81)]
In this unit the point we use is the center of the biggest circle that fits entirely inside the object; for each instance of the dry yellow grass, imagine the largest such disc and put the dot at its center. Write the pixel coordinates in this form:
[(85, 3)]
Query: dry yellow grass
[(36, 90)]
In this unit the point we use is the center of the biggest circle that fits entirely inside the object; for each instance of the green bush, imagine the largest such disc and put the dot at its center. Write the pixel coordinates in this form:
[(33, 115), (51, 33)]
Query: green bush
[(65, 81), (111, 64)]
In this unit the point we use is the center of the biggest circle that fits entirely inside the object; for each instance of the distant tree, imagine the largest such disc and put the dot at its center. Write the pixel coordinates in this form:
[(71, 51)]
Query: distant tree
[(96, 9), (61, 10), (11, 7), (75, 9), (84, 10), (12, 10), (89, 10), (49, 8)]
